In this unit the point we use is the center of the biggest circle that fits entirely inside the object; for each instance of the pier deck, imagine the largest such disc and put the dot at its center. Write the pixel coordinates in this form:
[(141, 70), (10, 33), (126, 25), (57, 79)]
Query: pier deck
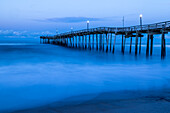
[(88, 38)]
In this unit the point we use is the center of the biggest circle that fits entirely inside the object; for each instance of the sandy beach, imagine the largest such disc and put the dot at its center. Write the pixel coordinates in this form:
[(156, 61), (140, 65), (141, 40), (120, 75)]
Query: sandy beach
[(152, 101)]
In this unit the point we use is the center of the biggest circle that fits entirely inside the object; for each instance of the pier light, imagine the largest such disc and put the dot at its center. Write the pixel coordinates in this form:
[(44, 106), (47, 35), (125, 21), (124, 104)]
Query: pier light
[(141, 15), (141, 20), (88, 22), (71, 29)]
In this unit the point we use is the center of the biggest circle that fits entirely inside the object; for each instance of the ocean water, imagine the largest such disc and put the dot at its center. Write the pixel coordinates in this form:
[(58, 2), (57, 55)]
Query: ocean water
[(33, 75)]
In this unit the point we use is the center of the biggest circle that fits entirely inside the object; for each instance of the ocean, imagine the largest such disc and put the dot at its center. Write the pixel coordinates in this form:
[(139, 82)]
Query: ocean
[(33, 74)]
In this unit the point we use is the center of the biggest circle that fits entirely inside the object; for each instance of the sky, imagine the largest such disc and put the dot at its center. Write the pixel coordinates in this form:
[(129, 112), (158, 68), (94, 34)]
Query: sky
[(25, 18)]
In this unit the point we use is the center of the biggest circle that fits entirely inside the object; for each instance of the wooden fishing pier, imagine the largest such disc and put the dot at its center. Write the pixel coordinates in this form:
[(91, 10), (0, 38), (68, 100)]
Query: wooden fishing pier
[(104, 38)]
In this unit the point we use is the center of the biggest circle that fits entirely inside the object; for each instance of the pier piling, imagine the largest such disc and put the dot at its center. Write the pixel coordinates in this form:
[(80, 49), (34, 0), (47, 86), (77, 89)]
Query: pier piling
[(97, 42), (140, 45), (110, 42), (89, 42), (114, 45), (147, 47), (136, 45), (130, 51), (107, 41), (151, 49)]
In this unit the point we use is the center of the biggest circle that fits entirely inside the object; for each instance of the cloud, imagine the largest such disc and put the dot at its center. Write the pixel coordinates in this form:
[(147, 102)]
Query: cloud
[(71, 19), (23, 34)]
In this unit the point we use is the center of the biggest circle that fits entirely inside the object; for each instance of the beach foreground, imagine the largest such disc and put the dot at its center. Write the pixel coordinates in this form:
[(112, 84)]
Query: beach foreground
[(152, 101)]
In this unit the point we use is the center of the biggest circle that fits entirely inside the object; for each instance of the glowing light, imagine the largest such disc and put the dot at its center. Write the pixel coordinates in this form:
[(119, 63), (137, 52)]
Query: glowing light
[(141, 15)]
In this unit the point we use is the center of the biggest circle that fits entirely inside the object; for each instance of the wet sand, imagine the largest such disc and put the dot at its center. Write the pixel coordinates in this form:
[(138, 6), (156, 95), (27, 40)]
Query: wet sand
[(152, 101)]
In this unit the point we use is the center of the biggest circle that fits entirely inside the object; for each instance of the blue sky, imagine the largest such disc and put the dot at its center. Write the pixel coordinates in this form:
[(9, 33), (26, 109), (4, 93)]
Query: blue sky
[(23, 17)]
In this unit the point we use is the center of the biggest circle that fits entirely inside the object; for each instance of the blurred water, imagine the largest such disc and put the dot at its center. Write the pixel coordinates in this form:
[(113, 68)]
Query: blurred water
[(33, 75)]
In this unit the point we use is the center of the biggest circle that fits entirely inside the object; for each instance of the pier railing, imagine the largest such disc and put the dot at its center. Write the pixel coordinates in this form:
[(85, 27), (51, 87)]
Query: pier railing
[(139, 28)]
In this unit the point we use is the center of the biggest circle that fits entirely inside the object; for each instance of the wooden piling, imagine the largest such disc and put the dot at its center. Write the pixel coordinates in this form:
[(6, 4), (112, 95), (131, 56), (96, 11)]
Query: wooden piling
[(79, 38), (107, 40), (67, 42), (48, 41), (89, 42), (163, 46), (122, 44), (97, 42), (147, 47), (130, 51), (100, 43), (110, 42), (103, 42), (151, 49), (93, 42), (70, 42), (85, 41), (73, 41), (136, 44), (114, 44), (140, 45), (76, 41)]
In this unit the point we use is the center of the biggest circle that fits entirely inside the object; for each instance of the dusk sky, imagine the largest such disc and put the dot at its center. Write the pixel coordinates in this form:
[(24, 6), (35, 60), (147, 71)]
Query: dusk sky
[(19, 17)]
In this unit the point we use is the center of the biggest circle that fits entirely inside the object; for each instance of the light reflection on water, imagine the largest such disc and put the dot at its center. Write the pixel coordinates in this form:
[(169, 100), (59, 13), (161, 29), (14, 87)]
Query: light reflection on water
[(32, 75)]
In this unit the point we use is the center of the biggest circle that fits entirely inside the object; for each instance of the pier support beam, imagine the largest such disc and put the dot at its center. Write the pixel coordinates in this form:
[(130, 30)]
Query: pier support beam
[(100, 43), (151, 49), (82, 41), (70, 42), (73, 41), (110, 42), (85, 41), (103, 41), (48, 41), (79, 37), (93, 42), (147, 47), (130, 51), (163, 46), (89, 42), (67, 42), (114, 45), (97, 42), (136, 45), (140, 45), (122, 44), (107, 41), (76, 40)]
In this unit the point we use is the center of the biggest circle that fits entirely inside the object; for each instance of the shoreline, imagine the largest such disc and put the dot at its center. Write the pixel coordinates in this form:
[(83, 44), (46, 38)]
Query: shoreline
[(152, 101)]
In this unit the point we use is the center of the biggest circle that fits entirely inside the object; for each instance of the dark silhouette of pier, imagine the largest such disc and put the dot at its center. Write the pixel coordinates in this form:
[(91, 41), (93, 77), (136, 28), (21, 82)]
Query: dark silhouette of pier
[(104, 38)]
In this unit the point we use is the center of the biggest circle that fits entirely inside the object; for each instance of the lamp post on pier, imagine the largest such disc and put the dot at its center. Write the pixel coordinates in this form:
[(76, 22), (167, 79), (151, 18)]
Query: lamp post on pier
[(141, 20), (141, 31), (71, 29), (123, 35), (88, 22)]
